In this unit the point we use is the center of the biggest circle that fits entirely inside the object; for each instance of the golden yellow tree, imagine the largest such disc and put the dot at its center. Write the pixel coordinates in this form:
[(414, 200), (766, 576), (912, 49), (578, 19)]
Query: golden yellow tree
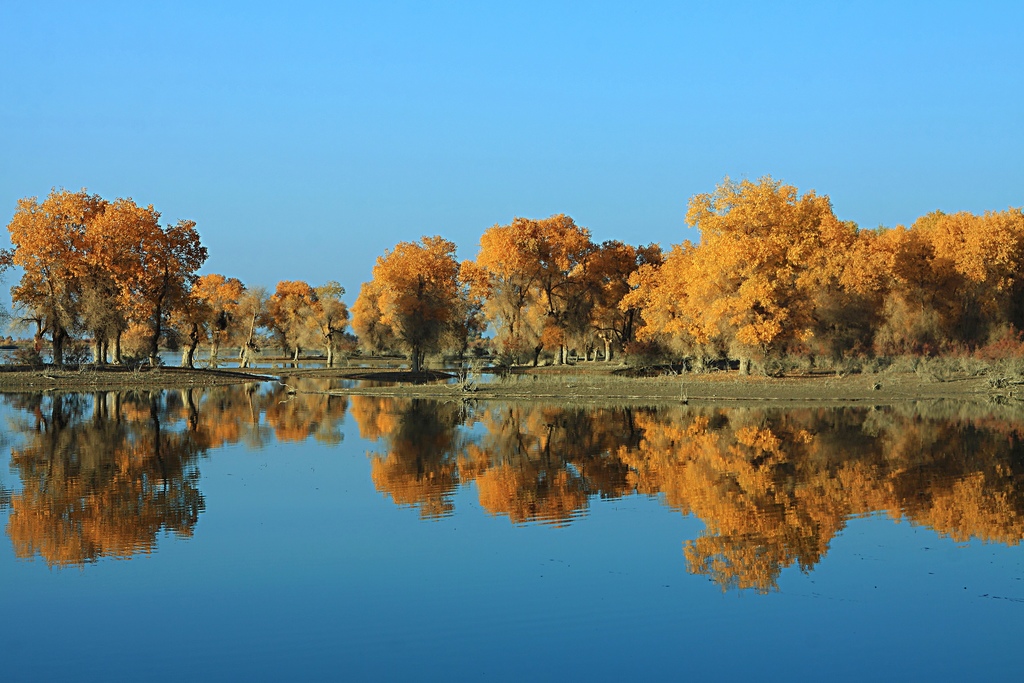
[(220, 296), (49, 239), (527, 274), (330, 316), (416, 293), (167, 260), (749, 287), (289, 311)]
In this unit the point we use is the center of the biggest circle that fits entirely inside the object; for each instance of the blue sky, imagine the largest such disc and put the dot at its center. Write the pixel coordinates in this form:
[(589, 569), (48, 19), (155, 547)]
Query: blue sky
[(306, 140)]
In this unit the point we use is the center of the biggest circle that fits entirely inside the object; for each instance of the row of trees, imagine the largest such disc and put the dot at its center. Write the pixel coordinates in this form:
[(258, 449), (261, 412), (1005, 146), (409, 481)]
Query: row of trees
[(99, 267), (774, 273), (110, 273), (535, 284)]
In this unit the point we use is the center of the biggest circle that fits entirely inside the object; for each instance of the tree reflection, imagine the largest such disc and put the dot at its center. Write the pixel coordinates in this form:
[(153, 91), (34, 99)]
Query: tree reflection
[(772, 487), (419, 465), (100, 484), (542, 463), (102, 475), (529, 463), (302, 410)]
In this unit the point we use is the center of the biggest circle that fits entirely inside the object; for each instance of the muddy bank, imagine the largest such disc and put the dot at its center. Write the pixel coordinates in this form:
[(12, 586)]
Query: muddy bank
[(577, 387), (586, 385), (15, 378)]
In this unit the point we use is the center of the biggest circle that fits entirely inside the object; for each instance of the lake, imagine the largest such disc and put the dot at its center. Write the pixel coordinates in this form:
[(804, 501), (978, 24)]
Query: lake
[(244, 532)]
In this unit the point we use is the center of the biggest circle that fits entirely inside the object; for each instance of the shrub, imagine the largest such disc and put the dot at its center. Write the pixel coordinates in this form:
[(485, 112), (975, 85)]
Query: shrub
[(25, 355)]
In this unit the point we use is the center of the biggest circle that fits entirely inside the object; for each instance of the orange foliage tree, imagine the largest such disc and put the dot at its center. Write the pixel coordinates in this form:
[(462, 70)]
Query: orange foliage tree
[(99, 266), (167, 260), (607, 282), (416, 295), (329, 315), (289, 309), (528, 274), (749, 287), (49, 239), (221, 298)]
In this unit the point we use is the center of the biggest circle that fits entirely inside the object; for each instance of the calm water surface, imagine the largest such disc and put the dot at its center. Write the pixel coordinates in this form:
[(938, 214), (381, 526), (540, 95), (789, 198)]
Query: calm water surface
[(241, 532)]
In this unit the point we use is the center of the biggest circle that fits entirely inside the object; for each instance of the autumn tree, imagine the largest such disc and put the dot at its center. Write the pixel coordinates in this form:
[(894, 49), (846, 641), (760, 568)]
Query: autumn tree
[(749, 287), (289, 311), (951, 279), (668, 295), (418, 295), (99, 266), (330, 316), (527, 273), (253, 312), (49, 244), (189, 318), (167, 259), (374, 335), (220, 298), (105, 273), (607, 274)]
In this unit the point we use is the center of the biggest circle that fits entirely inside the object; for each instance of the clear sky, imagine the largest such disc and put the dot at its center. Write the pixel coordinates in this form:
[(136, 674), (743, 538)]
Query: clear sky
[(305, 140)]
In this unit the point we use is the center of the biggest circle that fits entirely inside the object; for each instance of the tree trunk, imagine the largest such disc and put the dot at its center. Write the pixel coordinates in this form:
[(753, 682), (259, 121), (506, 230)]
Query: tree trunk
[(536, 355), (188, 356), (154, 342), (744, 366), (37, 338), (415, 359), (215, 351), (59, 335), (248, 342), (245, 355), (607, 350), (97, 351), (329, 346), (117, 349)]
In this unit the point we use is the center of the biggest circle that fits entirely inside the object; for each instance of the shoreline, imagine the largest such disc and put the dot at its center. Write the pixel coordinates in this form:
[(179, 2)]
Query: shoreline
[(573, 385)]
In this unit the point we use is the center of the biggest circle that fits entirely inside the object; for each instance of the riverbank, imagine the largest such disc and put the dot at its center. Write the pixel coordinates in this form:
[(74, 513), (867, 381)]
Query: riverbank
[(586, 386), (112, 377), (572, 385)]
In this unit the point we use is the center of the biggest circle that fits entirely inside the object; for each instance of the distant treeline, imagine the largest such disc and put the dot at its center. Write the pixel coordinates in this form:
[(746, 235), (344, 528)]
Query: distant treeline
[(773, 275)]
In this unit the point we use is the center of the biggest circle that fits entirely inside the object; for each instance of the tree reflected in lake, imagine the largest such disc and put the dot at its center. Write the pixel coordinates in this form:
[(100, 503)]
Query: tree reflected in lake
[(423, 444), (773, 487), (102, 475), (105, 474)]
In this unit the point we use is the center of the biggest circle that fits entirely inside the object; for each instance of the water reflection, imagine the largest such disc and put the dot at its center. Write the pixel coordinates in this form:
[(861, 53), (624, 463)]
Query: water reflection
[(99, 478), (103, 475), (772, 487)]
